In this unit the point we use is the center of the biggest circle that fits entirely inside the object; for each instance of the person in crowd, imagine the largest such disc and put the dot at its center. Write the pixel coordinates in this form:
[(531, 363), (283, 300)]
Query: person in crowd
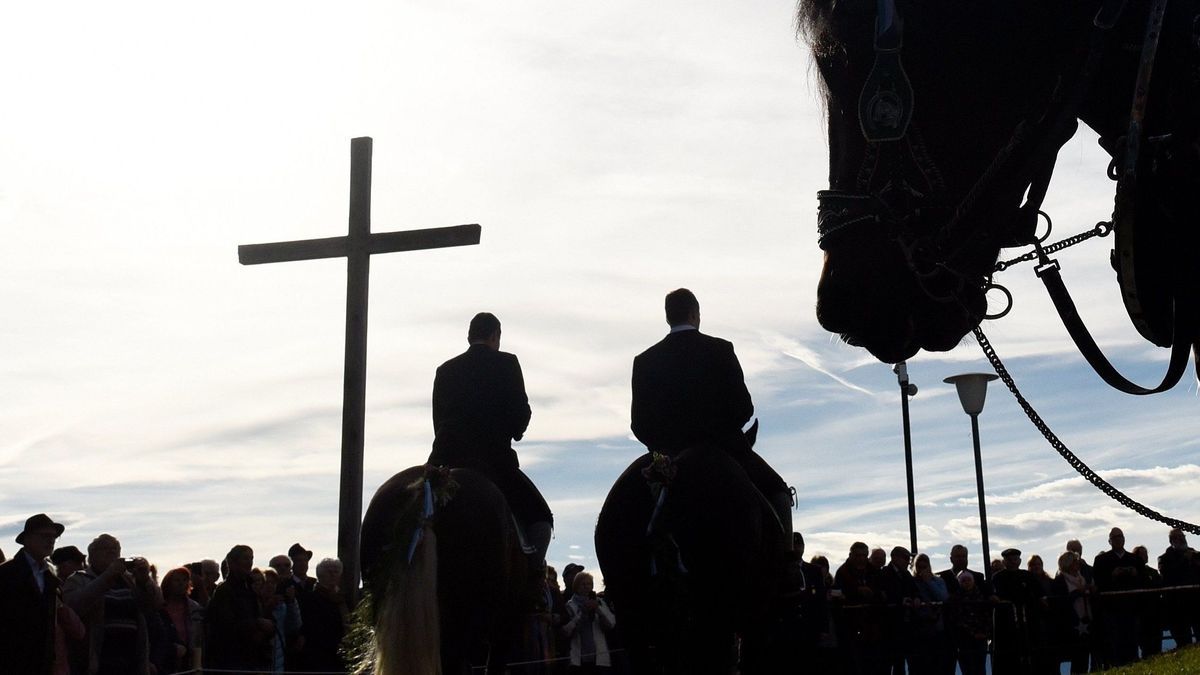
[(689, 390), (1071, 603), (958, 564), (29, 600), (568, 577), (856, 590), (199, 589), (1149, 605), (236, 630), (112, 597), (325, 619), (827, 659), (479, 408), (184, 618), (283, 569), (1046, 657), (1016, 622), (3, 558), (803, 609), (878, 558), (1180, 566), (997, 565), (899, 591), (969, 618), (1117, 570), (1037, 568), (1076, 547), (295, 657), (67, 561), (588, 619), (932, 652), (278, 601), (212, 577)]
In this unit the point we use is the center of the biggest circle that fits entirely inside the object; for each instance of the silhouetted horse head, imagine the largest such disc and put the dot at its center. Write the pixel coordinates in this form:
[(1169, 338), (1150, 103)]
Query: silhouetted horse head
[(444, 575), (688, 570), (941, 115)]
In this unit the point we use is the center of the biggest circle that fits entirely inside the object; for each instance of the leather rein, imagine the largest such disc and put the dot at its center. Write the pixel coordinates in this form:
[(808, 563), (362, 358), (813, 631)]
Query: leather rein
[(1026, 163)]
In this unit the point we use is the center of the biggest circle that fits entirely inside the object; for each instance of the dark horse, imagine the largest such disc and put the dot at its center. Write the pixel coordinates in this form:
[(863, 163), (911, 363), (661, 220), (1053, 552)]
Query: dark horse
[(689, 570), (444, 570), (944, 116)]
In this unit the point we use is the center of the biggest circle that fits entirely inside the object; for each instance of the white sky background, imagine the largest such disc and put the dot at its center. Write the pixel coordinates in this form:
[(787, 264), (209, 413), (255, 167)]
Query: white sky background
[(155, 389)]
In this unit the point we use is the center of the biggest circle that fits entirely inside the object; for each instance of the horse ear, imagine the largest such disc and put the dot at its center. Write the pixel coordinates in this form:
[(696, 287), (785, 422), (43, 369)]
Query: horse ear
[(752, 433)]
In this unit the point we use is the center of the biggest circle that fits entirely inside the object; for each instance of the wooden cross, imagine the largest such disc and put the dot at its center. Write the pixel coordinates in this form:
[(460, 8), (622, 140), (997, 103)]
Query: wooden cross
[(357, 247)]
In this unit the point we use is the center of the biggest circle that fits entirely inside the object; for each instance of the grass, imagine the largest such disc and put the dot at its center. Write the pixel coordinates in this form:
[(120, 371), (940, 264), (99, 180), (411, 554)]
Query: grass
[(1184, 661)]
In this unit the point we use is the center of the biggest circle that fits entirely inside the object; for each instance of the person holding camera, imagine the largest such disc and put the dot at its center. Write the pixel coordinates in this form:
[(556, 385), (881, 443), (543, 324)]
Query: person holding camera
[(112, 596), (588, 621)]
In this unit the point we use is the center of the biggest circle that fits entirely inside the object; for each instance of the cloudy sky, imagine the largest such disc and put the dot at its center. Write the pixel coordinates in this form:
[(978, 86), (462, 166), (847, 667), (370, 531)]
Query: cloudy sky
[(155, 389)]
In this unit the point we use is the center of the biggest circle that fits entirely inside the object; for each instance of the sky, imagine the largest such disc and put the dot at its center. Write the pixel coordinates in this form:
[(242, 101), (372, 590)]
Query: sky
[(155, 389)]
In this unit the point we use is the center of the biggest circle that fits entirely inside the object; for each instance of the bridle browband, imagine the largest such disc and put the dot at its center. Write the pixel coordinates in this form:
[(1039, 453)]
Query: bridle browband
[(1025, 163)]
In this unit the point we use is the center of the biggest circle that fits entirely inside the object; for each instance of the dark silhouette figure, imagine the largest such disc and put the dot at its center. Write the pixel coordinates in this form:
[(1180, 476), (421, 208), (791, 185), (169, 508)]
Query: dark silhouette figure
[(1117, 570), (236, 630), (859, 602), (29, 594), (479, 409), (1179, 565), (689, 390)]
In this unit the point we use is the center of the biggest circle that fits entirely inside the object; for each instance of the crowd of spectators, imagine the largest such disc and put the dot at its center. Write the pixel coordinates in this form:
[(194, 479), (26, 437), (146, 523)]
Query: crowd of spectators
[(64, 612), (67, 612), (888, 614)]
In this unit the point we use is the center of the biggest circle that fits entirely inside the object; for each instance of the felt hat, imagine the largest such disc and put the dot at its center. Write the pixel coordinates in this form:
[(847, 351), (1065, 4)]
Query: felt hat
[(298, 551), (38, 522), (1010, 551), (62, 555)]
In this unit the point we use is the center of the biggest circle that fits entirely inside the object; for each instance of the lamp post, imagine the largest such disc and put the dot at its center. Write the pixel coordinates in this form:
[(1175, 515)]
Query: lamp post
[(906, 390), (972, 390)]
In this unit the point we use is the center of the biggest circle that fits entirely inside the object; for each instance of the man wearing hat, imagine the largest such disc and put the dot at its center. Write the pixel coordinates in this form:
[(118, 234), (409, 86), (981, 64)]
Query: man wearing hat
[(67, 561), (1018, 627), (295, 657), (29, 600)]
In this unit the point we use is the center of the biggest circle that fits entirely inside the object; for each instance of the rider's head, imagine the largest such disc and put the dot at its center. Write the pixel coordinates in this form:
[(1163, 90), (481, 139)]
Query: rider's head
[(682, 308), (484, 330)]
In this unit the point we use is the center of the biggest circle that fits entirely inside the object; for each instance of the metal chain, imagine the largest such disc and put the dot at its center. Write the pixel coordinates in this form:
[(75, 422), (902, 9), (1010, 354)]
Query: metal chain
[(1076, 463), (1102, 229)]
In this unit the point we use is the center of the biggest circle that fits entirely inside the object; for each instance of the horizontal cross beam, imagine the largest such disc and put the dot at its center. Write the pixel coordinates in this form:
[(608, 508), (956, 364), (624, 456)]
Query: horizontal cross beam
[(339, 247)]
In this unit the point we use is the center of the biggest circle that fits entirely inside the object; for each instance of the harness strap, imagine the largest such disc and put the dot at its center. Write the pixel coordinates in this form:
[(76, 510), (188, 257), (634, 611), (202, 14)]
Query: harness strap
[(1048, 273), (426, 514)]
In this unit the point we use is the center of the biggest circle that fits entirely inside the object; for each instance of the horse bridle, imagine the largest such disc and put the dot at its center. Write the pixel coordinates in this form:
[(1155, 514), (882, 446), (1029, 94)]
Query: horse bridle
[(1026, 161)]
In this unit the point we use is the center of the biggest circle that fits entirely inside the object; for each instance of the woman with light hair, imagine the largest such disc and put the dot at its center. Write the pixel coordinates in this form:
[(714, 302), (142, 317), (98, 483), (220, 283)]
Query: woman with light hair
[(325, 619), (588, 619), (1072, 612)]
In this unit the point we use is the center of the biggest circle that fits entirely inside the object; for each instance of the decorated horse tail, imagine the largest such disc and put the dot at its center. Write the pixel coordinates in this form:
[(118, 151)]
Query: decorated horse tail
[(405, 638)]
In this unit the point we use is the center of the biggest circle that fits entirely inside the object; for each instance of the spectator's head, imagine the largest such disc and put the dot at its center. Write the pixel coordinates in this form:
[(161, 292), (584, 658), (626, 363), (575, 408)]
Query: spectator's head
[(582, 584), (39, 536), (1141, 554), (212, 573), (1068, 563), (240, 562), (966, 581), (1011, 559), (997, 565), (1116, 539), (1036, 565), (1075, 547), (484, 330), (1177, 538), (177, 583), (859, 556), (103, 552), (271, 586), (258, 583), (569, 573), (300, 557), (878, 558), (682, 308), (67, 561), (552, 578), (958, 557), (900, 557), (822, 562), (921, 567), (282, 566), (329, 573), (798, 545)]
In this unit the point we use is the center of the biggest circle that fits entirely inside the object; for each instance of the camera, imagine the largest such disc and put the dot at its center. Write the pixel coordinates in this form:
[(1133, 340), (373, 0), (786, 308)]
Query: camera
[(130, 563)]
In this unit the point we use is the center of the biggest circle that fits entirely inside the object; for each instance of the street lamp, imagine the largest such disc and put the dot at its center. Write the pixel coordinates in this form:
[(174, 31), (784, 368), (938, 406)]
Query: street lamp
[(972, 390), (907, 389)]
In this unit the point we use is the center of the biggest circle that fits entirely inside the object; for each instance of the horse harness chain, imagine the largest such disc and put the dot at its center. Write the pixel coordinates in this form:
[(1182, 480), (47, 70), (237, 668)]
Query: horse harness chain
[(885, 116)]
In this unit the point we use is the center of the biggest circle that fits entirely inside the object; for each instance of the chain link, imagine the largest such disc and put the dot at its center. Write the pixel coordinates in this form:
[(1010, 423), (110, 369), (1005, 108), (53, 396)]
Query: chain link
[(1076, 463), (1102, 229)]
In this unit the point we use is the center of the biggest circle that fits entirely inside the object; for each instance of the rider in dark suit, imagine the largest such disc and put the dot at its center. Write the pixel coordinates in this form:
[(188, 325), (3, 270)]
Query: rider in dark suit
[(689, 390), (29, 600), (479, 409)]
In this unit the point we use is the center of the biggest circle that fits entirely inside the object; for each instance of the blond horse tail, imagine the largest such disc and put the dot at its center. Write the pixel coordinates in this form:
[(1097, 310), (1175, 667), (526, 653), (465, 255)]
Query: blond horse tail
[(407, 638)]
